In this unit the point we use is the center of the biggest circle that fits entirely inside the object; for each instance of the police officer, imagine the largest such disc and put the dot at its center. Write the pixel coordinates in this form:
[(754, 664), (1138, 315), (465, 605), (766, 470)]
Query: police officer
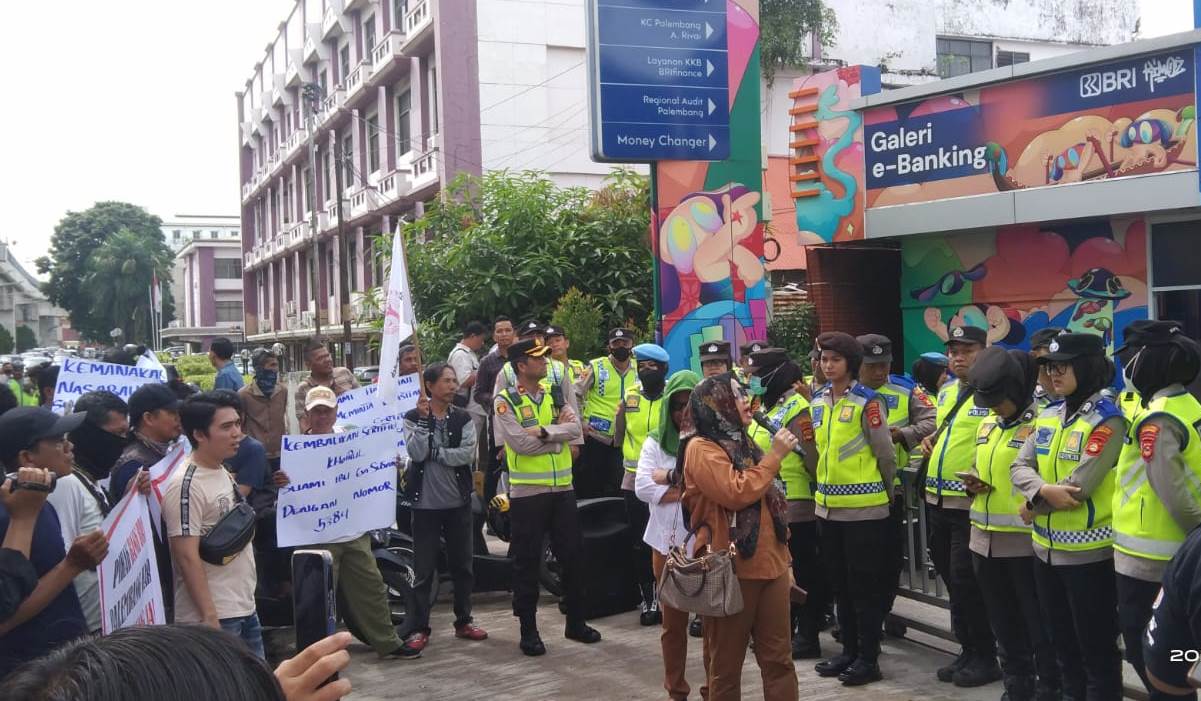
[(855, 469), (557, 339), (1065, 472), (715, 358), (772, 380), (910, 419), (535, 432), (637, 418), (1157, 495), (1002, 555), (603, 388), (745, 351), (947, 505), (1039, 340)]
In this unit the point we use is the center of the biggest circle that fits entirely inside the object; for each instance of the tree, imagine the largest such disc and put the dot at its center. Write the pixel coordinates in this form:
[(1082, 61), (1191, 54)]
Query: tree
[(77, 237), (118, 279), (6, 341), (784, 25), (514, 243), (26, 339)]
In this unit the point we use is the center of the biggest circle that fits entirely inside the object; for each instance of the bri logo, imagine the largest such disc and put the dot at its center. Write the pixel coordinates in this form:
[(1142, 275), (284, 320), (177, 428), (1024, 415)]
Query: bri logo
[(1100, 83)]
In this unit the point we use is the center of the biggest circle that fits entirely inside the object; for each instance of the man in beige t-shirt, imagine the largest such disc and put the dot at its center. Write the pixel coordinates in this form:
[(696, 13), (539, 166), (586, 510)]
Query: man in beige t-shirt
[(198, 495)]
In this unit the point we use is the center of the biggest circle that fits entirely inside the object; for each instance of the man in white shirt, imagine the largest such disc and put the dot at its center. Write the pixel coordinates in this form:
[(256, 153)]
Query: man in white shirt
[(465, 360)]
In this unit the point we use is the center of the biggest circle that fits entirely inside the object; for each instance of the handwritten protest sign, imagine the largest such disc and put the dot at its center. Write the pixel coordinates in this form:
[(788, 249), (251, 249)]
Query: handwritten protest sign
[(363, 406), (130, 594), (78, 377), (160, 474), (341, 484)]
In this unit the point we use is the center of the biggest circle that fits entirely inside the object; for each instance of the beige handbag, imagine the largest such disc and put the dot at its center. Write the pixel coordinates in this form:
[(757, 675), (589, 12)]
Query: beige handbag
[(704, 585)]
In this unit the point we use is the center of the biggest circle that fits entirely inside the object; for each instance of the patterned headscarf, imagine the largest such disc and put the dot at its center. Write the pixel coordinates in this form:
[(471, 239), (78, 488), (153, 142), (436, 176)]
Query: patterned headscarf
[(715, 417)]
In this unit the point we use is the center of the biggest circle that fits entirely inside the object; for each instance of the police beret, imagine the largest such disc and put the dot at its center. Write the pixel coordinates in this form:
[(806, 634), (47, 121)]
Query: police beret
[(968, 334), (650, 351), (876, 348), (841, 343), (767, 359), (715, 350)]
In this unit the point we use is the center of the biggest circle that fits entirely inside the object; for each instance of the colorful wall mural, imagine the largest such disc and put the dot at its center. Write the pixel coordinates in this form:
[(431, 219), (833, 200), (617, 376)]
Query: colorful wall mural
[(709, 240), (1130, 117), (1086, 276)]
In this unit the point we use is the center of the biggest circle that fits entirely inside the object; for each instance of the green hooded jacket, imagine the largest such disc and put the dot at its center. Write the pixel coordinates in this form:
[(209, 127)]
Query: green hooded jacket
[(667, 435)]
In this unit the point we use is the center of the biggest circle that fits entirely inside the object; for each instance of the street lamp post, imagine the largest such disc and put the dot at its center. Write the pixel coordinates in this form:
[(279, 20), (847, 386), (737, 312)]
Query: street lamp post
[(312, 96)]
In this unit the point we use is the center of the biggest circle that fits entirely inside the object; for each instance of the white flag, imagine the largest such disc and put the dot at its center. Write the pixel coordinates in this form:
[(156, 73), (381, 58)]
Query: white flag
[(150, 362), (399, 320)]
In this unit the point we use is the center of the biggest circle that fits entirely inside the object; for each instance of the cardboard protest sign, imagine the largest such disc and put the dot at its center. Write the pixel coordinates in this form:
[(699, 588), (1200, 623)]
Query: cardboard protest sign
[(364, 406), (341, 484), (130, 593), (78, 377), (160, 474)]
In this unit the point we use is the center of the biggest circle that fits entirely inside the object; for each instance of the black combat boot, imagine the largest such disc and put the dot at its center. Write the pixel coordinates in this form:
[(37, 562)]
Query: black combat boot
[(531, 642)]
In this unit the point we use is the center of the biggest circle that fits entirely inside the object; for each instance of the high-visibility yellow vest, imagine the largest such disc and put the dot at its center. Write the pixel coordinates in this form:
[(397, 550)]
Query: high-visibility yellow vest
[(956, 445), (898, 393), (848, 476), (798, 483), (1131, 405), (997, 446), (1059, 449), (548, 470), (23, 398), (1142, 525), (575, 368), (609, 388), (642, 416)]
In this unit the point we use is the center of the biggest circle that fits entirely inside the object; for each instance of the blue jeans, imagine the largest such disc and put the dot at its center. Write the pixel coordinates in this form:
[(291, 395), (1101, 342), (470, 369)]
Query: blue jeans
[(248, 629)]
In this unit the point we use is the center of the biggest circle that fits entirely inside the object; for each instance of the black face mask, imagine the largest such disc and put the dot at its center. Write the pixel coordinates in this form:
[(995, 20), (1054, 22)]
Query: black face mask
[(96, 450), (653, 381), (620, 353)]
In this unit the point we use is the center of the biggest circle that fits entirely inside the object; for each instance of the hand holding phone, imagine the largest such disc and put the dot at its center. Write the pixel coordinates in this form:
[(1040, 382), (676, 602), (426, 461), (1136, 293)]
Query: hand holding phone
[(314, 609), (974, 484)]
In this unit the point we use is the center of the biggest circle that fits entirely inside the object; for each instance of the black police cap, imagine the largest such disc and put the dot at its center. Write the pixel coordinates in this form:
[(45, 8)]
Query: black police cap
[(768, 359), (1066, 346), (1042, 338), (876, 348), (1147, 332), (968, 334)]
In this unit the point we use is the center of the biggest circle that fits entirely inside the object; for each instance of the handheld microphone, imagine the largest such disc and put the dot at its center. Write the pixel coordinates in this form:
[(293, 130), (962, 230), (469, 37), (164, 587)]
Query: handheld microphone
[(761, 419)]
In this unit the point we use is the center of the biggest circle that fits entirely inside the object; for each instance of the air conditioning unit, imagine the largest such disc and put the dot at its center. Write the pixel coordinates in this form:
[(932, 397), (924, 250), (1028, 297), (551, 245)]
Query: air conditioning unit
[(290, 308), (306, 319)]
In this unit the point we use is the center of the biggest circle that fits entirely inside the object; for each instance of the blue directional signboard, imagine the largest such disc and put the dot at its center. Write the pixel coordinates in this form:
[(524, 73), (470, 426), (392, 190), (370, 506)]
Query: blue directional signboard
[(659, 80)]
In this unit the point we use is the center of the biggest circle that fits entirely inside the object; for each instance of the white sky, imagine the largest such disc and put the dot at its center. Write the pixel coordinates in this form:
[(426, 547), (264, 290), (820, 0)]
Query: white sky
[(133, 100)]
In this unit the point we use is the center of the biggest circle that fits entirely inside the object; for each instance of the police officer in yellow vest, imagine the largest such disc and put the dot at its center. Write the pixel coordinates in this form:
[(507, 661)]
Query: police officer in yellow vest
[(637, 418), (855, 469), (947, 505), (1157, 490), (557, 380), (603, 388), (559, 344), (535, 430), (1002, 554), (715, 358), (1039, 340), (743, 371), (1065, 472), (910, 419), (772, 380)]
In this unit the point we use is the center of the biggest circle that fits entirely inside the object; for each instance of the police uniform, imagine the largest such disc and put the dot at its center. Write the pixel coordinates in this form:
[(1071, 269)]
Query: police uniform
[(854, 474), (715, 350), (911, 413), (542, 501), (791, 410), (947, 506), (573, 369), (1002, 556), (1073, 572), (1157, 491), (603, 390), (745, 351)]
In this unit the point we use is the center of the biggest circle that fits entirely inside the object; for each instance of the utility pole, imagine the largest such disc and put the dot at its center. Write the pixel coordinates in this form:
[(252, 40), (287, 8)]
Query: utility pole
[(343, 282), (312, 96)]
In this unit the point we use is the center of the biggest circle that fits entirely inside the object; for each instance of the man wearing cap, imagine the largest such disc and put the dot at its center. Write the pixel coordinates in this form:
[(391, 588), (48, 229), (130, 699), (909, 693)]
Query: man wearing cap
[(51, 615), (854, 475), (604, 387), (715, 358), (637, 418), (358, 577), (910, 419), (556, 372), (534, 432), (556, 338), (958, 422), (773, 379), (1156, 503), (1039, 340)]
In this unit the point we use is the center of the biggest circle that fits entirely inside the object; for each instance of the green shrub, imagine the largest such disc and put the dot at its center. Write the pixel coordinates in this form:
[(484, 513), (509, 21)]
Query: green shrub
[(204, 382), (583, 321), (794, 330), (194, 365)]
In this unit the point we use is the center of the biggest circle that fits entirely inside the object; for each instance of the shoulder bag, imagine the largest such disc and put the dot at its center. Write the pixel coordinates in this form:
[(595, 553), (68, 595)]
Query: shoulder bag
[(230, 535), (703, 584)]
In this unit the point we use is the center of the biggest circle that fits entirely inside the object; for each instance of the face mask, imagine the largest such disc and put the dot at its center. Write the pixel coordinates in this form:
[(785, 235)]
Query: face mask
[(652, 380), (266, 380), (1129, 370), (620, 353), (97, 450), (755, 387)]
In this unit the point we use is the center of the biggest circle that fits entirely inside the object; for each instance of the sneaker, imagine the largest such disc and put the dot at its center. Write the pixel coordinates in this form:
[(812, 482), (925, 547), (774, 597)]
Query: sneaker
[(947, 673), (412, 647), (834, 666), (979, 670), (470, 631), (860, 672), (583, 633)]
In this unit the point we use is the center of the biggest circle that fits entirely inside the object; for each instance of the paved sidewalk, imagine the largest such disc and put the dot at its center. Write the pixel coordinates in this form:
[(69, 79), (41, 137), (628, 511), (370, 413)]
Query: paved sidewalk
[(625, 665)]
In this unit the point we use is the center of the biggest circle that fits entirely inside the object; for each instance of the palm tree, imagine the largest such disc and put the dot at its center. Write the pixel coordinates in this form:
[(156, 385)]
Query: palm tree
[(119, 275)]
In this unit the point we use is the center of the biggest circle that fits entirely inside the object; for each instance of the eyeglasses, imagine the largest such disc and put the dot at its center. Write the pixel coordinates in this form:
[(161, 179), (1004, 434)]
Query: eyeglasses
[(1055, 368), (679, 406)]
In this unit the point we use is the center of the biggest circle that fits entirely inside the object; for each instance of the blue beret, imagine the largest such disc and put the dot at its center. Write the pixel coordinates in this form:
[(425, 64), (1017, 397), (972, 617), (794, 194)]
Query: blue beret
[(936, 358), (650, 351)]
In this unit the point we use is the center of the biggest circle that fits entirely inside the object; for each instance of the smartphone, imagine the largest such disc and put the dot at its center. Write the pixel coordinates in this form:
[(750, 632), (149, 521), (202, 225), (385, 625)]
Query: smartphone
[(314, 611), (965, 475)]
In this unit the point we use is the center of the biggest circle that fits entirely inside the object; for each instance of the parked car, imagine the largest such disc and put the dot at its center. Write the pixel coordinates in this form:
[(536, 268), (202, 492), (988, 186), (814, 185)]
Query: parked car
[(367, 374)]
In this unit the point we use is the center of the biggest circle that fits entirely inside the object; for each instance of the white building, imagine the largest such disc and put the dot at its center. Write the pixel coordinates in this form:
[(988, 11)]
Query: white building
[(23, 304), (181, 228)]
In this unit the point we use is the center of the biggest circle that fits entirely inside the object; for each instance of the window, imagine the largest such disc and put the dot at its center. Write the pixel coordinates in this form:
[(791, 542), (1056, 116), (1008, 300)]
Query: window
[(352, 264), (372, 142), (229, 312), (323, 81), (344, 60), (1009, 58), (962, 56), (1176, 274), (346, 157), (227, 269), (433, 100), (308, 189), (404, 108), (399, 9), (327, 173), (212, 234), (175, 234), (369, 35)]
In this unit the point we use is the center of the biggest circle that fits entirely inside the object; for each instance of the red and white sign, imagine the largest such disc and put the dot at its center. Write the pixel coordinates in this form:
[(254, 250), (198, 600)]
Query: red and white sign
[(130, 594)]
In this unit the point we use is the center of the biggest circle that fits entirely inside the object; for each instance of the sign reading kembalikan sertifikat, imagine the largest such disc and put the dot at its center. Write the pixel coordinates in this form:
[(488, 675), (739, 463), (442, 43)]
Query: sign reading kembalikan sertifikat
[(659, 80)]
